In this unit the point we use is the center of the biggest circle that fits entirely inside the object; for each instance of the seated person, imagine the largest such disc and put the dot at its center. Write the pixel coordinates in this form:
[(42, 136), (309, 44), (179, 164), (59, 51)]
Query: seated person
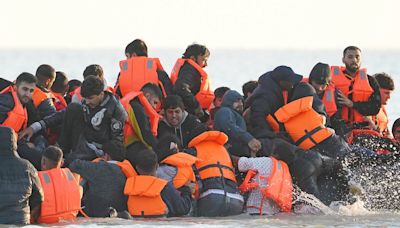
[(219, 94), (58, 89), (72, 86), (396, 131)]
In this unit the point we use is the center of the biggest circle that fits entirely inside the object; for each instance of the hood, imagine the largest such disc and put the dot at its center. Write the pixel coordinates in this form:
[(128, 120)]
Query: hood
[(230, 97), (8, 145)]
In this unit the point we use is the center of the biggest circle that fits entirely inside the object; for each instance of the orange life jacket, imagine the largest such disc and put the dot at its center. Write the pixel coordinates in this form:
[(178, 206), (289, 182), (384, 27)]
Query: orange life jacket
[(328, 99), (59, 101), (213, 159), (17, 117), (361, 91), (127, 168), (303, 124), (278, 186), (138, 71), (205, 96), (183, 162), (131, 128), (381, 120), (39, 96), (62, 199)]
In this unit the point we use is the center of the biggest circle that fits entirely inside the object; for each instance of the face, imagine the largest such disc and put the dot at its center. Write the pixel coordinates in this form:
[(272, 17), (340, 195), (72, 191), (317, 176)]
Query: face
[(238, 105), (385, 95), (174, 116), (218, 101), (352, 60), (201, 60), (153, 100), (319, 88), (94, 100), (25, 91), (396, 134)]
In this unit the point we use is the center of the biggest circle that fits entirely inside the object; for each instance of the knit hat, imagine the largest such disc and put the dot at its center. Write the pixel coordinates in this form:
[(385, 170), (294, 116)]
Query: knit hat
[(320, 74)]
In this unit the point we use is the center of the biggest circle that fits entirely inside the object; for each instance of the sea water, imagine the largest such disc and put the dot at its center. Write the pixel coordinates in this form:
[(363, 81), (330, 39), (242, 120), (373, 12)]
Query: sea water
[(232, 68)]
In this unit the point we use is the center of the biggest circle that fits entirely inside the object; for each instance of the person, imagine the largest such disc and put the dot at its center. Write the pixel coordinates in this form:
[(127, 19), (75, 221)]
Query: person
[(248, 88), (58, 89), (179, 122), (21, 191), (150, 196), (214, 107), (359, 94), (396, 130), (88, 125), (140, 128), (42, 97), (218, 193), (61, 190), (229, 120), (73, 84), (103, 181), (4, 83), (138, 69), (191, 82)]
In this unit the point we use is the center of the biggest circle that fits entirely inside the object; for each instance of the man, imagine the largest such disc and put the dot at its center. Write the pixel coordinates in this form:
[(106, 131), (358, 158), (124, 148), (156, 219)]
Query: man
[(21, 191), (216, 104), (248, 88), (139, 70), (229, 120), (191, 82), (42, 97), (179, 122), (58, 89), (61, 190), (359, 94)]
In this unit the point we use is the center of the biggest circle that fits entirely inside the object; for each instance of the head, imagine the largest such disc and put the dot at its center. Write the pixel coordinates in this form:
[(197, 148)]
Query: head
[(248, 88), (92, 91), (52, 157), (60, 85), (24, 86), (153, 94), (320, 77), (219, 94), (114, 150), (45, 75), (174, 110), (234, 100), (146, 162), (396, 130), (352, 58), (198, 53), (95, 70), (285, 77), (167, 145), (136, 48), (386, 86), (73, 84)]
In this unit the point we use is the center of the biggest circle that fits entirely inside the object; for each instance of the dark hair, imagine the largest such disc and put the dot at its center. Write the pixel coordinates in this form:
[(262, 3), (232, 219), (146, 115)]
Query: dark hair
[(26, 77), (173, 102), (195, 50), (384, 80), (249, 87), (146, 160), (73, 84), (60, 85), (162, 148), (395, 125), (220, 91), (45, 72), (350, 48), (137, 47), (92, 85), (131, 152), (53, 153), (95, 70), (153, 89), (115, 149)]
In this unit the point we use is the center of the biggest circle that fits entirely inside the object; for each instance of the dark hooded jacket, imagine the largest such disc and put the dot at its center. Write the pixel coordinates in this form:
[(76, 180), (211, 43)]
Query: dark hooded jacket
[(19, 182), (230, 121)]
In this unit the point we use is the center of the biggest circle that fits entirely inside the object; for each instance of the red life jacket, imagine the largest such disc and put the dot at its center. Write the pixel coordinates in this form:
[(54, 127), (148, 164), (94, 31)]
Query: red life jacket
[(205, 96), (59, 101), (131, 129), (17, 117), (183, 162), (137, 71), (278, 186), (361, 91), (62, 199)]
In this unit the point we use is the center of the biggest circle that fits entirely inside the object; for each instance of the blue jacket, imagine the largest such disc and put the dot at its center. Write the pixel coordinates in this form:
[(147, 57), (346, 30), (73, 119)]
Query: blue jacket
[(230, 121)]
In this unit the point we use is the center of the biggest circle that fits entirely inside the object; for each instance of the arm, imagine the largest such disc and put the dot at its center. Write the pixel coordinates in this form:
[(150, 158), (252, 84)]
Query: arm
[(46, 108), (372, 106), (143, 123), (178, 202), (259, 110), (187, 86), (225, 122), (164, 79), (6, 105), (117, 122), (37, 196), (86, 169)]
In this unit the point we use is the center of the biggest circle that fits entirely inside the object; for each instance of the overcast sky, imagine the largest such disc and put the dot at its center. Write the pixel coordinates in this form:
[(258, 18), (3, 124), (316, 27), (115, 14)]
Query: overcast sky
[(300, 24)]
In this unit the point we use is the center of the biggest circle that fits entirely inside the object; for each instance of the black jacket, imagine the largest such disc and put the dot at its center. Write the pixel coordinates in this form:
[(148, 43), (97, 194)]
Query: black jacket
[(20, 186), (187, 86)]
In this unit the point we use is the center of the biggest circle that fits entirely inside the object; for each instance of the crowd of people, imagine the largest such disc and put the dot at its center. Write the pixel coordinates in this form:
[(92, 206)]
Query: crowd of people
[(169, 145)]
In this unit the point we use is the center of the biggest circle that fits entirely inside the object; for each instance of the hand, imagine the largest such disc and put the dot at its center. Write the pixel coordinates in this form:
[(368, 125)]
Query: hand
[(343, 100), (192, 186), (254, 145), (199, 112), (27, 132)]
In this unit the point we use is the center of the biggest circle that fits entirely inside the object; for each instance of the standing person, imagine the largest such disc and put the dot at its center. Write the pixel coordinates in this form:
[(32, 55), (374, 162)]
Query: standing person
[(138, 69), (21, 191), (42, 97), (359, 94), (191, 82), (229, 120)]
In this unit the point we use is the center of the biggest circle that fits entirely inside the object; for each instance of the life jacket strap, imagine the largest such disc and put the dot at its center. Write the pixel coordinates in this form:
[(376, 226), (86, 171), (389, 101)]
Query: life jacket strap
[(308, 135)]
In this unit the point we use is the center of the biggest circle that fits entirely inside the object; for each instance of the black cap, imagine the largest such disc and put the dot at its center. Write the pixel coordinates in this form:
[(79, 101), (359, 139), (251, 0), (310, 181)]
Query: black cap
[(320, 74), (285, 73)]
